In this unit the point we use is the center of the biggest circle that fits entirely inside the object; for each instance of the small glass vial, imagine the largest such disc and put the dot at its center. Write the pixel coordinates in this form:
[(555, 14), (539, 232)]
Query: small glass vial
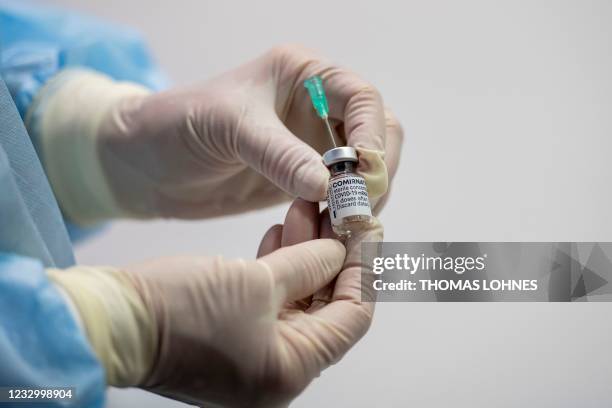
[(347, 193)]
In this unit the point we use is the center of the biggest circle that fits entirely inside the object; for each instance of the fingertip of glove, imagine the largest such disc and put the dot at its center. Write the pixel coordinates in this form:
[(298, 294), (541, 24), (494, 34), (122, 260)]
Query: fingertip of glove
[(374, 170), (333, 252), (328, 249), (311, 184), (334, 246)]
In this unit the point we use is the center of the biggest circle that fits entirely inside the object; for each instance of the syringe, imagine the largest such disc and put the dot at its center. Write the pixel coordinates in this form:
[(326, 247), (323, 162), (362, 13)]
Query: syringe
[(314, 85), (354, 212)]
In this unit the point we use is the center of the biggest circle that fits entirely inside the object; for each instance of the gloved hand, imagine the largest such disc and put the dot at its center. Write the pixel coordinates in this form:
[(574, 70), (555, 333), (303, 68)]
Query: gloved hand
[(211, 330), (241, 141)]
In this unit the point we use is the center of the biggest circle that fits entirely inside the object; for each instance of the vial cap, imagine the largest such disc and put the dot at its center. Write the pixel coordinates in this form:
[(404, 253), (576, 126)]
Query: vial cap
[(340, 154)]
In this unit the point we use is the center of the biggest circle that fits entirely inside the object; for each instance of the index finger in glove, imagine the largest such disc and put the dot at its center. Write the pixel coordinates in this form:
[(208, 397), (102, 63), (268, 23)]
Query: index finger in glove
[(359, 105)]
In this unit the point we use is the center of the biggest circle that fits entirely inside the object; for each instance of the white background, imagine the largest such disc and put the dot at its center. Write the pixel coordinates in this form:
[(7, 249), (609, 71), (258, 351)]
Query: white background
[(507, 108)]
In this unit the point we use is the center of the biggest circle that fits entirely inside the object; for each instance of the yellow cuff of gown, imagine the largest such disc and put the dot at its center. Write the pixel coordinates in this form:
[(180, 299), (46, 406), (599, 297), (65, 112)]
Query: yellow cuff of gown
[(65, 117), (121, 331), (373, 169)]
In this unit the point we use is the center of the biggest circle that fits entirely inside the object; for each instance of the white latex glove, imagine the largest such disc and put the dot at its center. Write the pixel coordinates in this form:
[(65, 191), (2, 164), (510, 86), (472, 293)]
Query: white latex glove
[(250, 333), (241, 141), (228, 332)]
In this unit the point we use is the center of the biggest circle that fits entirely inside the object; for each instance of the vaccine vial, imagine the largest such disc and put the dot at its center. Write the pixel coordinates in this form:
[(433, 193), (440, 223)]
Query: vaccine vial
[(347, 193)]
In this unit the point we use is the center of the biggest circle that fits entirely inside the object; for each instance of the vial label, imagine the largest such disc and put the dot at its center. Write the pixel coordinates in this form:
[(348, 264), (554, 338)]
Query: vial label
[(347, 195)]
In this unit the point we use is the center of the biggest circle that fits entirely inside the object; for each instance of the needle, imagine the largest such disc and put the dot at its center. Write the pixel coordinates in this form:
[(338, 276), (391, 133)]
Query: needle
[(314, 85), (331, 132)]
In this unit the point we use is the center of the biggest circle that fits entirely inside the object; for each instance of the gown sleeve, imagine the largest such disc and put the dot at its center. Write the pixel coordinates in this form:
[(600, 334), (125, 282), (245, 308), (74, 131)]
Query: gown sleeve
[(36, 42)]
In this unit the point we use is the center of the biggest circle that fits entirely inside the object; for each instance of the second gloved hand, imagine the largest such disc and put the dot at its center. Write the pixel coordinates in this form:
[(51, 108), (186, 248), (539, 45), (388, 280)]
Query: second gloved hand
[(212, 330), (207, 329), (221, 337), (241, 141)]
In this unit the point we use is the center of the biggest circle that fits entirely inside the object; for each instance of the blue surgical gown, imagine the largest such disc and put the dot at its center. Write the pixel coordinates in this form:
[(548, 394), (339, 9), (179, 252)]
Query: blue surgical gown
[(41, 344)]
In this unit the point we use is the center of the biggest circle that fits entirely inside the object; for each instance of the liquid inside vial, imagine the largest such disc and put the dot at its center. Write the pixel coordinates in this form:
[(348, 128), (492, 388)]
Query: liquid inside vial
[(347, 199)]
